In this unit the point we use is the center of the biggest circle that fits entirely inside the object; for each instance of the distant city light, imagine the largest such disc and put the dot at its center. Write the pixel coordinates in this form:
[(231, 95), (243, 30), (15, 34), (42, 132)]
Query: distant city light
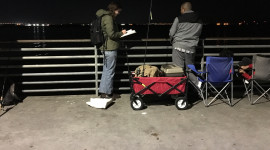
[(36, 25), (224, 23)]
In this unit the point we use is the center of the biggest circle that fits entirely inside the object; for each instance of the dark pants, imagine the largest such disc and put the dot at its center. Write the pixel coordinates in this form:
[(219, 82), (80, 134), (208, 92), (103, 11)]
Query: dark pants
[(182, 59)]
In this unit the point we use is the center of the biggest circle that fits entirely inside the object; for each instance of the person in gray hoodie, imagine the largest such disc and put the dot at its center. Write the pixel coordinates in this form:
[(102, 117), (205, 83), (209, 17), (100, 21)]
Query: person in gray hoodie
[(184, 34), (110, 47)]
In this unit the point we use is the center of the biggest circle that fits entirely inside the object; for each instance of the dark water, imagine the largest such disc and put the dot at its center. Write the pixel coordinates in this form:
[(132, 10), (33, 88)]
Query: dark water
[(13, 33)]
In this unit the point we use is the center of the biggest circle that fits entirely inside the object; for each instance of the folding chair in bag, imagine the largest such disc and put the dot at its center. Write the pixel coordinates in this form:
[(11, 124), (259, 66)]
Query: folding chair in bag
[(199, 74), (260, 77), (246, 75)]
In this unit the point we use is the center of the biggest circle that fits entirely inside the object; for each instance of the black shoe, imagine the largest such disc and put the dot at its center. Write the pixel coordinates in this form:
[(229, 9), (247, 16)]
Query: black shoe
[(103, 95)]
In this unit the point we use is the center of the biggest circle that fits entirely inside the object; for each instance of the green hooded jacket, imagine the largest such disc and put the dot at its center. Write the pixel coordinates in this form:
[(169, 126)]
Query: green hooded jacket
[(110, 30)]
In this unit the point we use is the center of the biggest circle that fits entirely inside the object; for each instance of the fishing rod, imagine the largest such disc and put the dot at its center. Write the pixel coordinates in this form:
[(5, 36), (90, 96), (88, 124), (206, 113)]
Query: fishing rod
[(147, 34)]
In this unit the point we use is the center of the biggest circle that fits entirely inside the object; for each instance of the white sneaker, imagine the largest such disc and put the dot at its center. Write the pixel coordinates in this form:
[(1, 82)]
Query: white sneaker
[(199, 84)]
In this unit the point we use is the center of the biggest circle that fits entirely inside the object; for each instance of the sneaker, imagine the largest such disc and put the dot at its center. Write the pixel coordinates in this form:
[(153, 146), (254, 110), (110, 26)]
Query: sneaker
[(103, 95), (199, 84), (246, 81)]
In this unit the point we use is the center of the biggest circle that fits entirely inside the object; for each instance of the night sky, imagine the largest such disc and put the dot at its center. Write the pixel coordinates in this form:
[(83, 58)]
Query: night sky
[(134, 11)]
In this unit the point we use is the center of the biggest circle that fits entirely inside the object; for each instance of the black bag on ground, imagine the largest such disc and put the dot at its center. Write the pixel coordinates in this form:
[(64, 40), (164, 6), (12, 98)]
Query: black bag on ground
[(96, 33), (11, 94)]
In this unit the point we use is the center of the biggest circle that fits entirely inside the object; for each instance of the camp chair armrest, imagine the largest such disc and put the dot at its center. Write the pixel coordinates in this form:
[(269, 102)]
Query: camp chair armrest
[(193, 68)]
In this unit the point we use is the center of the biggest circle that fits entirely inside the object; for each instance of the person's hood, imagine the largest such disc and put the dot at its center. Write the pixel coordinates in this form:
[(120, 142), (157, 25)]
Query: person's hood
[(101, 12), (189, 16)]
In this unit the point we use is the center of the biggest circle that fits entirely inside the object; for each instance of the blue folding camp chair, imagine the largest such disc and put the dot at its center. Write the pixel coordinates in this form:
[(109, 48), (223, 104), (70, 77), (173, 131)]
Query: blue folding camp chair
[(260, 78), (219, 75), (218, 78)]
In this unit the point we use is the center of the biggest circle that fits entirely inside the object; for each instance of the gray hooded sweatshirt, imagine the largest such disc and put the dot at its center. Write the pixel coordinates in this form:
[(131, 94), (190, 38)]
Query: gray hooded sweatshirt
[(185, 31)]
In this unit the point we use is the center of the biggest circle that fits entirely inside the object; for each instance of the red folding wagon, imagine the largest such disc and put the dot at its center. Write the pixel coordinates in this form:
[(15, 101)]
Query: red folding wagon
[(174, 86)]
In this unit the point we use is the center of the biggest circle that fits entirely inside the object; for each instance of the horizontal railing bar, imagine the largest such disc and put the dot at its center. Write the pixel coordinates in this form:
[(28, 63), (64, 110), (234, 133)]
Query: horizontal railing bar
[(149, 47), (143, 40), (128, 88), (148, 55), (100, 56), (147, 63), (235, 54), (49, 74), (56, 49), (121, 80), (58, 90), (78, 89), (46, 57), (236, 46), (206, 46), (213, 39), (51, 49), (156, 39), (66, 82), (58, 82), (48, 66), (137, 48), (54, 41), (57, 74), (124, 88), (79, 57), (237, 38), (78, 65)]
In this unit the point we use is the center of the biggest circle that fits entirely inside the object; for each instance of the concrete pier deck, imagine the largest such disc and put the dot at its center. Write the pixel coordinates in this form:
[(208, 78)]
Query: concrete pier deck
[(67, 123)]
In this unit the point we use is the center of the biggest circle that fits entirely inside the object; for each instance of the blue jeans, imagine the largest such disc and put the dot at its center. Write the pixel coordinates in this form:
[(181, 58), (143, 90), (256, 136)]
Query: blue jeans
[(109, 64)]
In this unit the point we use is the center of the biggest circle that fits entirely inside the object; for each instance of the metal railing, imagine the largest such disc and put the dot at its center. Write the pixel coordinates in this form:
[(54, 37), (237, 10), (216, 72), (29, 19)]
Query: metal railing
[(77, 69)]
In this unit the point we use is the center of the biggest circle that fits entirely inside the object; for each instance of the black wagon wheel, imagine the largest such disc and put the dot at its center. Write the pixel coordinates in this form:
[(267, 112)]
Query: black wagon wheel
[(137, 103), (181, 103)]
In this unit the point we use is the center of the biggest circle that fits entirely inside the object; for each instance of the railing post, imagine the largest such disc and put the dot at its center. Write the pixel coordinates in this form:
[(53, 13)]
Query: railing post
[(202, 59), (96, 70)]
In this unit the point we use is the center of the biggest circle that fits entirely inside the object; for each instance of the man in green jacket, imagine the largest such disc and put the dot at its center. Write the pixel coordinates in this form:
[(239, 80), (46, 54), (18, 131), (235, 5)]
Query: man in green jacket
[(110, 47)]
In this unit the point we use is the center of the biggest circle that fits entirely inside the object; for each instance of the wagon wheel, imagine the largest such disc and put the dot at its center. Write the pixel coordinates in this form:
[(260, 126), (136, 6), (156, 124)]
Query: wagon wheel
[(137, 103), (181, 103)]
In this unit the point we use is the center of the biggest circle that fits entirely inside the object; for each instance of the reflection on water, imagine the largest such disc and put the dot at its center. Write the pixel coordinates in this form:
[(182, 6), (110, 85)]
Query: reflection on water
[(77, 31), (39, 34)]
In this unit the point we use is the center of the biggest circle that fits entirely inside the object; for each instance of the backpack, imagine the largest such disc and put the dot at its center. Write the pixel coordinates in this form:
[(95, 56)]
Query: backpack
[(11, 94), (96, 33)]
